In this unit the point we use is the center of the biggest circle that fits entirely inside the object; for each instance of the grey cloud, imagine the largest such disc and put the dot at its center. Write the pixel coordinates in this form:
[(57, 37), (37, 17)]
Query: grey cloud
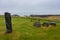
[(16, 6)]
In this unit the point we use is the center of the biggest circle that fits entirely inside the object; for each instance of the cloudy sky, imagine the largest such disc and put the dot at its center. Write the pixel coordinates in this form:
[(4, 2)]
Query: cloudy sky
[(27, 7)]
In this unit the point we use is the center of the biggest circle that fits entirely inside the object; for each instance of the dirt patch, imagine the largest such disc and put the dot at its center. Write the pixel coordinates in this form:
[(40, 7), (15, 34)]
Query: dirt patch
[(54, 18), (10, 36)]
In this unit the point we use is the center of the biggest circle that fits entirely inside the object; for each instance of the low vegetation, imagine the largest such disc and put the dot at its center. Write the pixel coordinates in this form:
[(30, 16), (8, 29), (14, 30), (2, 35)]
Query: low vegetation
[(23, 29)]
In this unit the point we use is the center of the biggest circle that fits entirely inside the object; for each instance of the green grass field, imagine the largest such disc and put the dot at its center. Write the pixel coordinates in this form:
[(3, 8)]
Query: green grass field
[(23, 29)]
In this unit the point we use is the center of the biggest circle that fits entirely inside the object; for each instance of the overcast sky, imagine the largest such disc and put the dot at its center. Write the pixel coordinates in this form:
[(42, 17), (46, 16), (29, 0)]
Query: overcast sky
[(26, 7)]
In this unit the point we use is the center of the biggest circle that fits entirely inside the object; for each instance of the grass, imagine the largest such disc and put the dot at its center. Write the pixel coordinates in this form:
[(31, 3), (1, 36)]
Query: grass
[(23, 29)]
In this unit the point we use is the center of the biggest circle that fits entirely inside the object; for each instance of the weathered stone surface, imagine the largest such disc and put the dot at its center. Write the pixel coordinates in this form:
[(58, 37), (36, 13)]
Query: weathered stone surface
[(52, 23), (37, 24), (8, 22), (45, 24)]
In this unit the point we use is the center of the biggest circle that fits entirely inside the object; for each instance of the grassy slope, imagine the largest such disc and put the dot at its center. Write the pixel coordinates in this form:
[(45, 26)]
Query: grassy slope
[(23, 29)]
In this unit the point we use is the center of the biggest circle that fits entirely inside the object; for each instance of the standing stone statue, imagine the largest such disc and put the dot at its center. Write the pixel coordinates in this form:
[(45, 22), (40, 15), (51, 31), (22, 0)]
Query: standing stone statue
[(8, 22)]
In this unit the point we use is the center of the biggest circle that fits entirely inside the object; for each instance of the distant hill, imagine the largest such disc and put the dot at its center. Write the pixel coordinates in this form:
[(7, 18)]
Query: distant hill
[(43, 15)]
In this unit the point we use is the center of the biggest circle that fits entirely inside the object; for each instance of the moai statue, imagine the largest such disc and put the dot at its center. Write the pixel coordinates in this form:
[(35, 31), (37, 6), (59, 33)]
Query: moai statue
[(8, 22)]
